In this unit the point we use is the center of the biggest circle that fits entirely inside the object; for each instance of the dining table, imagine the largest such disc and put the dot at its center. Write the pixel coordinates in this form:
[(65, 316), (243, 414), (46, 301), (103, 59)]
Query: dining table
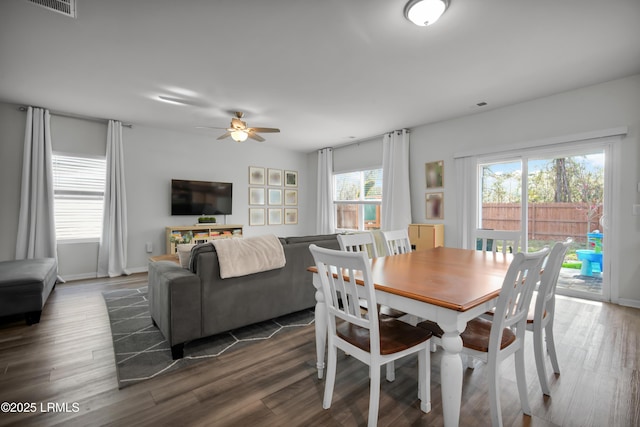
[(449, 286)]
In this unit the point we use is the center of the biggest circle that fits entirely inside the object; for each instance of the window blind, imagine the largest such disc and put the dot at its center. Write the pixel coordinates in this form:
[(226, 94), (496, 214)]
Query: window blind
[(78, 186)]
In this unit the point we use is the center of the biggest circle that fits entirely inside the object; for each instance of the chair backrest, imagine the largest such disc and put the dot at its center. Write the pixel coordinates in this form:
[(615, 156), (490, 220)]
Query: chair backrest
[(341, 289), (515, 296), (547, 290), (489, 240), (397, 242), (359, 242)]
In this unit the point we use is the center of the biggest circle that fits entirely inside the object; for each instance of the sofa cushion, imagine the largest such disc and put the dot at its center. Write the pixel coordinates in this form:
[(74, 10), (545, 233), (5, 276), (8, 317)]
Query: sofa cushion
[(184, 253), (26, 284), (27, 274), (310, 239)]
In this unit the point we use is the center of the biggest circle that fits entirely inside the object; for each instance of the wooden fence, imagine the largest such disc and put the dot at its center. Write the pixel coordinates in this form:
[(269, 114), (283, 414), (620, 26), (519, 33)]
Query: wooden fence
[(348, 217), (547, 221)]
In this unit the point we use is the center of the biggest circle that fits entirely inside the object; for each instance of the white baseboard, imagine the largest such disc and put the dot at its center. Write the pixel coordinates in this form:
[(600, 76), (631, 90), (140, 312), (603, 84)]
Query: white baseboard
[(629, 302), (138, 270), (83, 276)]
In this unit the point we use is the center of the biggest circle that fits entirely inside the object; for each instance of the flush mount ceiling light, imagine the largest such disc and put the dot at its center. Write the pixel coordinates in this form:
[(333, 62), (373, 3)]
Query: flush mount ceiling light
[(425, 12)]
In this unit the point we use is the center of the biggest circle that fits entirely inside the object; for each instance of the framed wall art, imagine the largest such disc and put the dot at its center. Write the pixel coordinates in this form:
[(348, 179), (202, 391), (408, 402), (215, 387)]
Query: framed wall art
[(290, 197), (434, 173), (256, 216), (275, 196), (290, 178), (275, 177), (275, 216), (291, 216), (435, 205), (256, 196), (256, 175)]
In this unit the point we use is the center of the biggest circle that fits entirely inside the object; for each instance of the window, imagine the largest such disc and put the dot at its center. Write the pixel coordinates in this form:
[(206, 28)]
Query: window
[(78, 187), (357, 197)]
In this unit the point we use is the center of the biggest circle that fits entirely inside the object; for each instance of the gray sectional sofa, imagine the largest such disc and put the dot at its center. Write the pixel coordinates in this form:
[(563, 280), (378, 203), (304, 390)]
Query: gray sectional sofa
[(187, 304)]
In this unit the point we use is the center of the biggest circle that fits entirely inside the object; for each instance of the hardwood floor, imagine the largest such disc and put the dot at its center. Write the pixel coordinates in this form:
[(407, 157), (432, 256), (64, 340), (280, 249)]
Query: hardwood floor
[(68, 359)]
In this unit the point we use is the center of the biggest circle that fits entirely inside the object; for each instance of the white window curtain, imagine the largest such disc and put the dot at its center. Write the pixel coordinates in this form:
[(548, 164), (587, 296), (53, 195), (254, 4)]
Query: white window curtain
[(326, 215), (466, 183), (112, 254), (396, 193), (36, 221)]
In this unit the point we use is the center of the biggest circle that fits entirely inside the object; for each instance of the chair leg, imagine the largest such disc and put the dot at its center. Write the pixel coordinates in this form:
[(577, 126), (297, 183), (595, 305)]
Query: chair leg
[(538, 351), (391, 372), (468, 362), (551, 347), (374, 395), (521, 379), (494, 393), (331, 376), (424, 380)]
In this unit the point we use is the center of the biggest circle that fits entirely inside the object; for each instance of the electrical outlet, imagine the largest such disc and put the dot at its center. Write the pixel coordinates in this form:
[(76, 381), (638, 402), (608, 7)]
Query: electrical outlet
[(149, 247)]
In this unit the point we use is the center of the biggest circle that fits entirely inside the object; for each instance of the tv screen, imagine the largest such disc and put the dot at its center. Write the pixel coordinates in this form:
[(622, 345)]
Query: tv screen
[(200, 197)]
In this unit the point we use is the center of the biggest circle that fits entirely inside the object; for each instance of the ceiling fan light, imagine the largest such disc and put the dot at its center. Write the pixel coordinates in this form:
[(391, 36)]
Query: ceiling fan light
[(239, 135), (425, 12)]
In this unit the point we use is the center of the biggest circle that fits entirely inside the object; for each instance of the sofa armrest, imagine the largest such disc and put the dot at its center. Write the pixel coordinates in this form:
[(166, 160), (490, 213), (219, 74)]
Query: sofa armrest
[(175, 302)]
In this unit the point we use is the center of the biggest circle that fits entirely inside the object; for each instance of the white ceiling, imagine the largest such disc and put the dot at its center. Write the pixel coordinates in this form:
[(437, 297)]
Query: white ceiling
[(326, 72)]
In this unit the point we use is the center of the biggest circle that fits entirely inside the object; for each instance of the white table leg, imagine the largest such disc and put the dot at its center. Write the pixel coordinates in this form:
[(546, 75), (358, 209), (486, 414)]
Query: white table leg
[(321, 328), (451, 376)]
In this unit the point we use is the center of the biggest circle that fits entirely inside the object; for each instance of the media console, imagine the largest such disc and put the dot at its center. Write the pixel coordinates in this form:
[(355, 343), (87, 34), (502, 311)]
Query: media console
[(200, 233)]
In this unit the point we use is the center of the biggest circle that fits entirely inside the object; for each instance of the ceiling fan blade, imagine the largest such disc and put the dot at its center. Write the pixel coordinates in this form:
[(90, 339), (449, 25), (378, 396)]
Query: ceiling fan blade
[(208, 127), (255, 136), (265, 130), (225, 135)]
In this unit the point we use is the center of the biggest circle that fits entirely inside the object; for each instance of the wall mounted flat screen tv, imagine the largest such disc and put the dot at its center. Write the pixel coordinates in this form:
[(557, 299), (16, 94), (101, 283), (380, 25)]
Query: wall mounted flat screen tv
[(200, 197)]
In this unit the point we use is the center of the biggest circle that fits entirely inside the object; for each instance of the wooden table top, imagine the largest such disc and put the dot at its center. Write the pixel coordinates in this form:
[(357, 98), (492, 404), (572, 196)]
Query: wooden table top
[(458, 279)]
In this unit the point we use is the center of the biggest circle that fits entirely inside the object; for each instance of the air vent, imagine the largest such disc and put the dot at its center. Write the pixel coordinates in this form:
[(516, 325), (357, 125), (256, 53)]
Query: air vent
[(65, 7)]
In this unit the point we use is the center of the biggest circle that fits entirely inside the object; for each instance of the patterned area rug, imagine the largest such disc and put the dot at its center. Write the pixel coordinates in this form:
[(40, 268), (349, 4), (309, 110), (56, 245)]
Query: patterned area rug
[(142, 352)]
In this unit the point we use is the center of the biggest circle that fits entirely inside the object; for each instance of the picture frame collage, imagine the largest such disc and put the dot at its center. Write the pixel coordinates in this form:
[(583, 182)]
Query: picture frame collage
[(434, 180), (273, 196)]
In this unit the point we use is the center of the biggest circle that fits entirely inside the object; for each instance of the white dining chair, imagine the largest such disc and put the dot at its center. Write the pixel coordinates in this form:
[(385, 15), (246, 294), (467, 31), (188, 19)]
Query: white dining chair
[(371, 339), (542, 311), (541, 322), (494, 341), (396, 242), (365, 243), (490, 240), (359, 242)]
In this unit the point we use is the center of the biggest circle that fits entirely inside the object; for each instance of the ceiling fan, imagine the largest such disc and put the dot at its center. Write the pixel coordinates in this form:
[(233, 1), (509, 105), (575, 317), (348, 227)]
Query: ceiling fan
[(239, 132)]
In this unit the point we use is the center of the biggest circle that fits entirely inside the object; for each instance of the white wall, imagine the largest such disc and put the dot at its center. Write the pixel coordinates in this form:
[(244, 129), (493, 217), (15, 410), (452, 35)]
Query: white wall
[(152, 158), (603, 106), (12, 125)]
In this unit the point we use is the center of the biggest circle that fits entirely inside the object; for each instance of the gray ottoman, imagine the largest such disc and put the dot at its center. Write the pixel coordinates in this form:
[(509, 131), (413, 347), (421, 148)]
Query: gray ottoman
[(25, 286)]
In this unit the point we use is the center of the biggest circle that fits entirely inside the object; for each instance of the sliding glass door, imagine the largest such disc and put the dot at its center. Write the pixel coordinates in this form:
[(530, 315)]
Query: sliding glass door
[(549, 196)]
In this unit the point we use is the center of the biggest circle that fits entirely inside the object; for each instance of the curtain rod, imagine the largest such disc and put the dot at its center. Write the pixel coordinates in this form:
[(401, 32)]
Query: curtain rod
[(74, 116), (369, 139)]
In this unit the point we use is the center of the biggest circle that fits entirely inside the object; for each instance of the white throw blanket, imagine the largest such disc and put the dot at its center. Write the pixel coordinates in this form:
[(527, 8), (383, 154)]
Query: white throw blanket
[(239, 257)]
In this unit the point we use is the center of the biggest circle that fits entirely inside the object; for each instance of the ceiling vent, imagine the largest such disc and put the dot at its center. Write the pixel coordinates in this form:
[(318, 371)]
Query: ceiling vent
[(65, 7)]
